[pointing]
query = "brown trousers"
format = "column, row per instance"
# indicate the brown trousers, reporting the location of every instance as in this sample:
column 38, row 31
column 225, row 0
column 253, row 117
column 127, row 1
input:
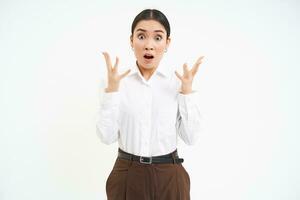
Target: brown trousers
column 132, row 180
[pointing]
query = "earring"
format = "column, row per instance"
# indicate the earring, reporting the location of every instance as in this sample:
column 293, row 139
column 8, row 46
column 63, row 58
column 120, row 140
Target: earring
column 166, row 50
column 132, row 49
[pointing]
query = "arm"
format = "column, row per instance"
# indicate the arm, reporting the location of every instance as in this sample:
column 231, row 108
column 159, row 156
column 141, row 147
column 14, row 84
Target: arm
column 190, row 121
column 107, row 123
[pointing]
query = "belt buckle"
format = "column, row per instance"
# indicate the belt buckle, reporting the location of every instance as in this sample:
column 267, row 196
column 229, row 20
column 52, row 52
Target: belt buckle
column 145, row 162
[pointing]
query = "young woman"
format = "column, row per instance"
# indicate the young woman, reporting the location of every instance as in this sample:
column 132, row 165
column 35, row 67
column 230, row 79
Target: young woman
column 145, row 109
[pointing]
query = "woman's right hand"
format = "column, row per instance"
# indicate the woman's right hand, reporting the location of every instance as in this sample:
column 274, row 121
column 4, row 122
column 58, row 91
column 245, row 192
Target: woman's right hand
column 113, row 76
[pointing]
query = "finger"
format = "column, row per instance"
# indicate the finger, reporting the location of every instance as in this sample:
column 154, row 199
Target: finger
column 196, row 65
column 185, row 68
column 178, row 75
column 107, row 60
column 116, row 64
column 199, row 60
column 125, row 73
column 195, row 69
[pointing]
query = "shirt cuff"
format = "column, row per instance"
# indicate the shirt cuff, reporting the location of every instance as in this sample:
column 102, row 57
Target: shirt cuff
column 188, row 97
column 110, row 99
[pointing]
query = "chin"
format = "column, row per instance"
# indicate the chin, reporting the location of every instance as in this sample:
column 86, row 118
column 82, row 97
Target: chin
column 149, row 65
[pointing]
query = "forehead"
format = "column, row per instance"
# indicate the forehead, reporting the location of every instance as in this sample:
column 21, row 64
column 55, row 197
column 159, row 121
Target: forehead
column 149, row 26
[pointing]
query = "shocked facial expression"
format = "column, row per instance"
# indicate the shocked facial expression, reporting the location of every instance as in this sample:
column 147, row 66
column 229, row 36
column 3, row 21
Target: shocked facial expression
column 149, row 41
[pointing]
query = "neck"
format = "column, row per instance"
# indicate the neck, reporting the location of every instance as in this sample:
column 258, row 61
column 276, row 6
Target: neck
column 146, row 73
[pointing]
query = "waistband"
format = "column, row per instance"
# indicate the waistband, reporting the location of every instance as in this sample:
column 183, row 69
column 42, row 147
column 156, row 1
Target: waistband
column 167, row 158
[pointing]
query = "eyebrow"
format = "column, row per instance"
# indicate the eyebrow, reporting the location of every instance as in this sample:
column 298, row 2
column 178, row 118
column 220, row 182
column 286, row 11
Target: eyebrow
column 143, row 30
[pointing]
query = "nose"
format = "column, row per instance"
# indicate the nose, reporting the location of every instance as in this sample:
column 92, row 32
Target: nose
column 149, row 48
column 149, row 45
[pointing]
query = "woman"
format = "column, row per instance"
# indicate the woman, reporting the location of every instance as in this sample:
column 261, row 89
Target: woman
column 145, row 111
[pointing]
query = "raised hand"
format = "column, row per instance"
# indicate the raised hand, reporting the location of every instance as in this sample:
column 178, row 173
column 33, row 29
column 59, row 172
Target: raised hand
column 188, row 76
column 112, row 74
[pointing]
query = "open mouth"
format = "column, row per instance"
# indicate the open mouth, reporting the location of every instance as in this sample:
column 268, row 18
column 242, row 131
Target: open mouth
column 148, row 56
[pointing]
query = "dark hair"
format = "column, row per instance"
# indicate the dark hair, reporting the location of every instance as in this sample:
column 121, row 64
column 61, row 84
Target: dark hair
column 153, row 14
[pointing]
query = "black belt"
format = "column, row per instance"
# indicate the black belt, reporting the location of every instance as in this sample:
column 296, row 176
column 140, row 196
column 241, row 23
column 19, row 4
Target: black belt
column 168, row 158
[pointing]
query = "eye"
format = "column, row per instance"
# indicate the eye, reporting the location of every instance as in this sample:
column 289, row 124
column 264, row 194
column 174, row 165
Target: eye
column 141, row 36
column 158, row 38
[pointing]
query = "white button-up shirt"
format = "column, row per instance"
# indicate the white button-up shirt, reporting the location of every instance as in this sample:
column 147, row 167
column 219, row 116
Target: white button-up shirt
column 146, row 117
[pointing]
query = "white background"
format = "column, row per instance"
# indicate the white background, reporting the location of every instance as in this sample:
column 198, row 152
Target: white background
column 50, row 71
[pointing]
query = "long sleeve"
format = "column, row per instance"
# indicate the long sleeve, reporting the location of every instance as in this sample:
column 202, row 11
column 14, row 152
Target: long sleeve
column 190, row 121
column 107, row 119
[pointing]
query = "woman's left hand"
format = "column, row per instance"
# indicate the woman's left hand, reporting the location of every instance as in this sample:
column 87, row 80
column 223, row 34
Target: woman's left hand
column 188, row 76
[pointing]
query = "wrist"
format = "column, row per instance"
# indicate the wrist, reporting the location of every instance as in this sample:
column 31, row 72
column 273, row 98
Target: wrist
column 186, row 89
column 111, row 89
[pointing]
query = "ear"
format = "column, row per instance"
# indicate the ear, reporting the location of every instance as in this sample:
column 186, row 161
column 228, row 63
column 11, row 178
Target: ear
column 131, row 41
column 168, row 42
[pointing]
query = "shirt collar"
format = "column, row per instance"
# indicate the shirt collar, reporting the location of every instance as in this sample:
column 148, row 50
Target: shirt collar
column 161, row 70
